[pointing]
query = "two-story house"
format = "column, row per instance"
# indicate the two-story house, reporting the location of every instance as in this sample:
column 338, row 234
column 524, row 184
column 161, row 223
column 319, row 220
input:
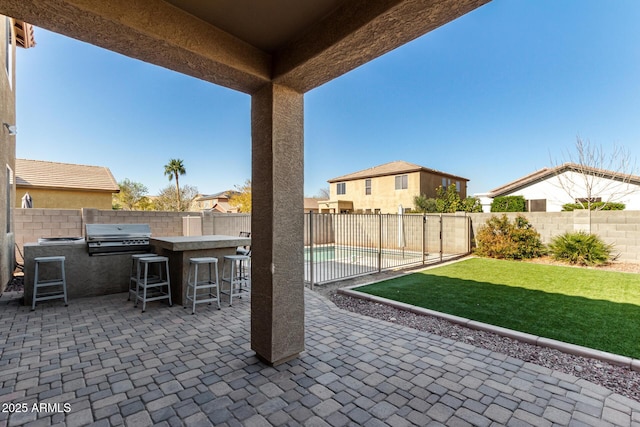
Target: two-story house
column 383, row 188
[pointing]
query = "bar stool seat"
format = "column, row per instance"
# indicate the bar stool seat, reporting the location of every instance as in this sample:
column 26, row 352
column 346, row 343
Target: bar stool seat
column 57, row 287
column 133, row 276
column 194, row 284
column 237, row 276
column 150, row 287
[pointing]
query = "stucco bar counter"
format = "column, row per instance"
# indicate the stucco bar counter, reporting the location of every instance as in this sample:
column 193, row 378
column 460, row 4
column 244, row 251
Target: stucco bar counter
column 180, row 248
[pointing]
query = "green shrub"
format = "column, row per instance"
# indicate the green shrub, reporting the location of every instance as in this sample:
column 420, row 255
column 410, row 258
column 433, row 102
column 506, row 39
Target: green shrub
column 580, row 248
column 595, row 206
column 509, row 204
column 503, row 239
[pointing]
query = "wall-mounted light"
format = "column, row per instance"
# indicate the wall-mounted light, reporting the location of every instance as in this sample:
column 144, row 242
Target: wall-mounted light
column 13, row 129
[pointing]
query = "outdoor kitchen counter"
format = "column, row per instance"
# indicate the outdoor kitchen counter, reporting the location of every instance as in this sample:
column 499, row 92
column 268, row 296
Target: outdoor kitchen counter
column 180, row 249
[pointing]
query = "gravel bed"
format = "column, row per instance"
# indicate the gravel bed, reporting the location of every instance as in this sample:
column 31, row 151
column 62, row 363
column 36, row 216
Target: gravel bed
column 619, row 379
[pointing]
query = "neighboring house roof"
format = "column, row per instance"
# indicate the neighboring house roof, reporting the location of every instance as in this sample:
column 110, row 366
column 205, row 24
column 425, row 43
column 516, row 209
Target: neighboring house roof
column 65, row 176
column 546, row 173
column 223, row 207
column 24, row 34
column 391, row 168
column 221, row 195
column 311, row 203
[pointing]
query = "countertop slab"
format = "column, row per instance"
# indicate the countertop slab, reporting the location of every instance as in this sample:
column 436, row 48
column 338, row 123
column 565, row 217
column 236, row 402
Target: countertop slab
column 191, row 243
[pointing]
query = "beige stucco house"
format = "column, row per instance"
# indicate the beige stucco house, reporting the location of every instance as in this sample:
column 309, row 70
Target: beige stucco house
column 383, row 188
column 64, row 185
column 14, row 33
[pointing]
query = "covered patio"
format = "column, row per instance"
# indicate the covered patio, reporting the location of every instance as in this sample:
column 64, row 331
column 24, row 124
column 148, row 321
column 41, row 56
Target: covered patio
column 276, row 52
column 101, row 362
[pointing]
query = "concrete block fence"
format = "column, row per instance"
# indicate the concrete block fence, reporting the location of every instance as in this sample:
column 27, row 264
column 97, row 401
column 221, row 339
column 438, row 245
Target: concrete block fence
column 620, row 228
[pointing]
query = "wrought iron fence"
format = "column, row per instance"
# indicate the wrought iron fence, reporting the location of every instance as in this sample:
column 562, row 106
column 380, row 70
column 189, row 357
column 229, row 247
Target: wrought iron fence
column 338, row 246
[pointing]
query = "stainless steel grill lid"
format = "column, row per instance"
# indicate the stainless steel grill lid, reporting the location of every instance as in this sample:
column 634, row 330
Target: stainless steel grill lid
column 117, row 238
column 117, row 231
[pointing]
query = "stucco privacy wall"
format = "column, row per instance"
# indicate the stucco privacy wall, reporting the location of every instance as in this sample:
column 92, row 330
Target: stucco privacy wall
column 620, row 228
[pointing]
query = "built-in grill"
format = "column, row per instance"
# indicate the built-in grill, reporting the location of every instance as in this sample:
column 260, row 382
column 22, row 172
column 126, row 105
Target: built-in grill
column 104, row 239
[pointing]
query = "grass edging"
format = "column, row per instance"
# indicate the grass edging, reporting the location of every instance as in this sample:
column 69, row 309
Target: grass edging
column 614, row 359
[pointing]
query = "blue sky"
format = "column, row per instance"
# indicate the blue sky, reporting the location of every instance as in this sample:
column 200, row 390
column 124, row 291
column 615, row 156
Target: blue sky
column 495, row 95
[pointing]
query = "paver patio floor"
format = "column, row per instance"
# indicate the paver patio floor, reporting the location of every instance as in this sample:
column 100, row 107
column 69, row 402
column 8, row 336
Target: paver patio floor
column 101, row 362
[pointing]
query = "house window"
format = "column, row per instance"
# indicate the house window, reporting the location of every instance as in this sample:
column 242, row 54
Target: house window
column 367, row 187
column 402, row 182
column 537, row 205
column 341, row 188
column 458, row 186
column 445, row 183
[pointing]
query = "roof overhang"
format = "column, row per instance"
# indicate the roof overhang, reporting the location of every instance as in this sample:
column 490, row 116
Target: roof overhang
column 243, row 44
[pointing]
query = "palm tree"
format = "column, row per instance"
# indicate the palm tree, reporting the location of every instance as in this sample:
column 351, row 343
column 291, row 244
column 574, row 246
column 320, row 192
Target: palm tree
column 175, row 168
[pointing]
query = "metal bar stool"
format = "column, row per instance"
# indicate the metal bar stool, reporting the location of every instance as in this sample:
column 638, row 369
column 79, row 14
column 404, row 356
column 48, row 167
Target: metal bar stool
column 135, row 272
column 194, row 285
column 59, row 284
column 238, row 276
column 149, row 287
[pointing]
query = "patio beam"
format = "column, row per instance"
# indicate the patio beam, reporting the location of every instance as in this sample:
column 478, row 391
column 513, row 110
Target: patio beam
column 358, row 32
column 277, row 268
column 153, row 31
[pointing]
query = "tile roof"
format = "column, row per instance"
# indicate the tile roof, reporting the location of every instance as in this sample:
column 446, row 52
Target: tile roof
column 391, row 168
column 221, row 195
column 43, row 174
column 544, row 173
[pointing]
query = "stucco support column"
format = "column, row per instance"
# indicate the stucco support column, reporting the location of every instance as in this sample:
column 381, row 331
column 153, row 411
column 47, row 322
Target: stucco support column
column 277, row 224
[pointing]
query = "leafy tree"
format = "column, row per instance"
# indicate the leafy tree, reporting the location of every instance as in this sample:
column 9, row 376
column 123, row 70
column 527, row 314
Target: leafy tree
column 166, row 200
column 174, row 169
column 446, row 201
column 509, row 204
column 131, row 195
column 423, row 204
column 471, row 204
column 595, row 206
column 242, row 199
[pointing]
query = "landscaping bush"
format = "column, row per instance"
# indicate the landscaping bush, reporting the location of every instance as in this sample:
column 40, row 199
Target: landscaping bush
column 509, row 204
column 580, row 248
column 503, row 239
column 595, row 206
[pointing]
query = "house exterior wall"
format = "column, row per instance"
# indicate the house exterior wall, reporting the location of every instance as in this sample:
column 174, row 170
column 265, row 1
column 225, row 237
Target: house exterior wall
column 65, row 199
column 384, row 197
column 551, row 190
column 8, row 151
column 429, row 183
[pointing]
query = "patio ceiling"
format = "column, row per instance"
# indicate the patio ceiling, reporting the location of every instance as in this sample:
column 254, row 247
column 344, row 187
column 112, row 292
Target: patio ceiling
column 244, row 44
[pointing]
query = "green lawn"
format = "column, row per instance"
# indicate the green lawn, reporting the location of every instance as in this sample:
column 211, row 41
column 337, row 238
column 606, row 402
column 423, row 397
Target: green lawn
column 593, row 308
